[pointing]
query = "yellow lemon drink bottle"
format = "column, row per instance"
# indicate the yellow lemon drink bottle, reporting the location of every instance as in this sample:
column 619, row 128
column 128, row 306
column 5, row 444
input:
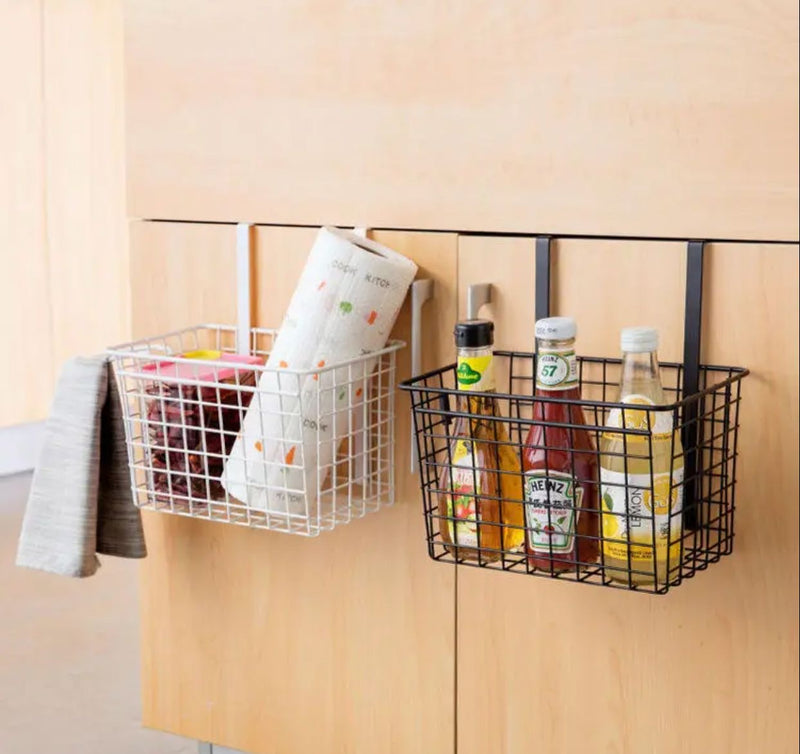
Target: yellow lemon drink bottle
column 641, row 476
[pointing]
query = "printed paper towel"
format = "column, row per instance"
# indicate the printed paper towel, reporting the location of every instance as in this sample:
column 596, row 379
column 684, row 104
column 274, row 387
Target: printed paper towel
column 344, row 306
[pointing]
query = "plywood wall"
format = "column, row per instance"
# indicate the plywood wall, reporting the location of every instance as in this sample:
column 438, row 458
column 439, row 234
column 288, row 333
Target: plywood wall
column 26, row 375
column 63, row 244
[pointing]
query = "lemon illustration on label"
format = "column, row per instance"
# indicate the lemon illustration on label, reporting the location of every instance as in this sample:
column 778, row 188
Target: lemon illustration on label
column 637, row 419
column 466, row 375
column 610, row 526
column 661, row 489
column 659, row 423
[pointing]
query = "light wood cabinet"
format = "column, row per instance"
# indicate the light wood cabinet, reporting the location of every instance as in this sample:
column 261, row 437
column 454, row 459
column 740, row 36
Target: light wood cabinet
column 711, row 667
column 272, row 643
column 623, row 118
column 656, row 120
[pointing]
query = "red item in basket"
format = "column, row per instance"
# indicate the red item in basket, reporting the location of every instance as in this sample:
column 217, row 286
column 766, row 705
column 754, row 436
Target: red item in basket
column 192, row 424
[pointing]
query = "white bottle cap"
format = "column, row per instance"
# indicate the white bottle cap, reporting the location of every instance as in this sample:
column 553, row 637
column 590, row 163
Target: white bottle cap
column 556, row 328
column 639, row 339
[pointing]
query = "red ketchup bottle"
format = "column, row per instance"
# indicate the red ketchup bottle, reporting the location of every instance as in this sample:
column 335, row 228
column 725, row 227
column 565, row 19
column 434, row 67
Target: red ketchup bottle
column 559, row 462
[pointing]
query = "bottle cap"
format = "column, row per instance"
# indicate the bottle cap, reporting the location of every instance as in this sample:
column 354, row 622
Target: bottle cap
column 474, row 333
column 639, row 339
column 556, row 328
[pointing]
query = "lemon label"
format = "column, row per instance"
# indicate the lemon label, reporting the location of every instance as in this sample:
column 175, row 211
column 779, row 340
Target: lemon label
column 658, row 423
column 475, row 373
column 641, row 510
column 465, row 487
column 551, row 498
column 556, row 370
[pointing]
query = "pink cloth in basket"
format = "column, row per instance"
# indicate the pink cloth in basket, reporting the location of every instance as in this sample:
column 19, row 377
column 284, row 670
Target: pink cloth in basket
column 203, row 372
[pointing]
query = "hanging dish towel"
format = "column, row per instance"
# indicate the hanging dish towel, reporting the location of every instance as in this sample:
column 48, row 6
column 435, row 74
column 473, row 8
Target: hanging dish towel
column 80, row 501
column 344, row 306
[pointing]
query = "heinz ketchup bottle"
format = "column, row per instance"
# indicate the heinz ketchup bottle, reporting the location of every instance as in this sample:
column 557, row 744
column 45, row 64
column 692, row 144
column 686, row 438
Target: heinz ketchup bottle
column 559, row 460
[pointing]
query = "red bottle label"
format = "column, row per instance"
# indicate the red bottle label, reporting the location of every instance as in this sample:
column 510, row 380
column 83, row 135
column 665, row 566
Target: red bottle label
column 551, row 514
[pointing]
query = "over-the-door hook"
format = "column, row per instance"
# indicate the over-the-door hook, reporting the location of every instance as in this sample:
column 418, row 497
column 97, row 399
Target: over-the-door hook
column 421, row 291
column 478, row 295
column 244, row 297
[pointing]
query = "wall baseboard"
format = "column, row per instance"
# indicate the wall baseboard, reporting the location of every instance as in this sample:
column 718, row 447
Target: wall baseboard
column 19, row 447
column 207, row 748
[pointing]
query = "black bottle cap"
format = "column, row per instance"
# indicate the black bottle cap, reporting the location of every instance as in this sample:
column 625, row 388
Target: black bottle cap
column 474, row 333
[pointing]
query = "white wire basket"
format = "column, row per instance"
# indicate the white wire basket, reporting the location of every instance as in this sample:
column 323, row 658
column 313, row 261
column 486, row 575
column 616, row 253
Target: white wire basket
column 212, row 433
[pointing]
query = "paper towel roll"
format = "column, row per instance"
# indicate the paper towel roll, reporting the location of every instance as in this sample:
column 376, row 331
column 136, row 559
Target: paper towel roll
column 344, row 306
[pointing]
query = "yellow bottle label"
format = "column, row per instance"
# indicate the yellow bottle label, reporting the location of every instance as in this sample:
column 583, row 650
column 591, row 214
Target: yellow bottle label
column 659, row 423
column 475, row 373
column 465, row 487
column 642, row 510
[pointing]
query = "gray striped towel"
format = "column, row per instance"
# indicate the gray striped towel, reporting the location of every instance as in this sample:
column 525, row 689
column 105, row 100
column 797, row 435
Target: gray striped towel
column 80, row 502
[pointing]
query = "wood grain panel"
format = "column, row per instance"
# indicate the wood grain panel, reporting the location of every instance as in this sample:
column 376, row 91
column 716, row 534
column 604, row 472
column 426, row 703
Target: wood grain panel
column 26, row 376
column 63, row 238
column 85, row 176
column 182, row 274
column 711, row 667
column 275, row 644
column 659, row 119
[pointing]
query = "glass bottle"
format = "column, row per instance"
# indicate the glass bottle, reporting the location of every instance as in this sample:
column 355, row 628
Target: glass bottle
column 634, row 469
column 482, row 510
column 559, row 462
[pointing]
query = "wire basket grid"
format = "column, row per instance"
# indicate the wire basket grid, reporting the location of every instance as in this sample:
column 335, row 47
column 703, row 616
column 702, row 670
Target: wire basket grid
column 315, row 452
column 642, row 545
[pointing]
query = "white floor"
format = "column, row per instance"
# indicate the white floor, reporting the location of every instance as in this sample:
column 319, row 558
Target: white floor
column 69, row 655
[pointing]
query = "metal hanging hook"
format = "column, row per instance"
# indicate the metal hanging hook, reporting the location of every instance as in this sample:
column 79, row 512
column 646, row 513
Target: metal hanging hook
column 478, row 295
column 244, row 296
column 421, row 291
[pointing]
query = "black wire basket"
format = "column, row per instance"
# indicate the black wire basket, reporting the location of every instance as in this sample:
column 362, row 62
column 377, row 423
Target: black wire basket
column 507, row 517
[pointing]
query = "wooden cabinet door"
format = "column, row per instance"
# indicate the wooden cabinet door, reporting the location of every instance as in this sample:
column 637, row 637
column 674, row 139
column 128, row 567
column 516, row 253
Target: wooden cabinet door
column 712, row 666
column 273, row 643
column 620, row 117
